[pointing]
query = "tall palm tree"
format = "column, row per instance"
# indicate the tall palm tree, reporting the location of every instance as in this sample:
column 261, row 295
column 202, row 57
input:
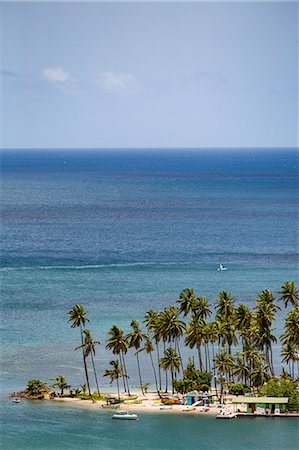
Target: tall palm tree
column 89, row 349
column 149, row 348
column 78, row 316
column 195, row 335
column 171, row 361
column 118, row 343
column 151, row 319
column 264, row 315
column 224, row 363
column 289, row 293
column 135, row 340
column 171, row 327
column 115, row 373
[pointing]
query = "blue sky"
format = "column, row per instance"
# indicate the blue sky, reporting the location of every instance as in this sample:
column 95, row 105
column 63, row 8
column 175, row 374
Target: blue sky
column 169, row 74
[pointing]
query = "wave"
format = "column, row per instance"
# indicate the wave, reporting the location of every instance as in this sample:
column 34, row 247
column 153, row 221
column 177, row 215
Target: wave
column 90, row 266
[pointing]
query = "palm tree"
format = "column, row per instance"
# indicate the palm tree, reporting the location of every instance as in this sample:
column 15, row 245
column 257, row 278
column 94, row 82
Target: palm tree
column 289, row 293
column 89, row 349
column 264, row 315
column 115, row 373
column 186, row 300
column 260, row 375
column 135, row 339
column 151, row 319
column 171, row 361
column 289, row 352
column 224, row 363
column 171, row 327
column 149, row 348
column 194, row 337
column 78, row 316
column 61, row 383
column 201, row 307
column 224, row 306
column 118, row 343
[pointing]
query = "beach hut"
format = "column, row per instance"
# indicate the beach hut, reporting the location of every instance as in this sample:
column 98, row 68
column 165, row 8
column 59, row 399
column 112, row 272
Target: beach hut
column 261, row 405
column 192, row 397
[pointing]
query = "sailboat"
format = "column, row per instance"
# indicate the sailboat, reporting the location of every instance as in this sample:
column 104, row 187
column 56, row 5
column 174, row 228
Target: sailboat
column 221, row 268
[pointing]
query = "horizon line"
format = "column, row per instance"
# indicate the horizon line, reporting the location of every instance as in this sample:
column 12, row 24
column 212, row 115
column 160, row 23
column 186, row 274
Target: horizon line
column 146, row 148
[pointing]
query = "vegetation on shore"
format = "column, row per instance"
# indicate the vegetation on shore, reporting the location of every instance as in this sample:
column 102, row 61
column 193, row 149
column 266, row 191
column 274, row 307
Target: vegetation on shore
column 231, row 344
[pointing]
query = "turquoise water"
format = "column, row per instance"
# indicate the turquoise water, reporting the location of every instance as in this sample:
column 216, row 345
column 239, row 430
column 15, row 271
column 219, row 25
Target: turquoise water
column 121, row 232
column 65, row 427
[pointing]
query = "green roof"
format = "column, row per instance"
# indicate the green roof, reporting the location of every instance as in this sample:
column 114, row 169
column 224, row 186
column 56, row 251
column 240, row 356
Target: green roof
column 277, row 400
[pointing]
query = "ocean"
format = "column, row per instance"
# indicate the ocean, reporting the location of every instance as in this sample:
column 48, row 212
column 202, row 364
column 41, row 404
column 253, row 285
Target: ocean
column 122, row 231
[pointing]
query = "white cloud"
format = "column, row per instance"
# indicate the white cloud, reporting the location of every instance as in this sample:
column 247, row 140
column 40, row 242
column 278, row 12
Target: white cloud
column 117, row 82
column 56, row 74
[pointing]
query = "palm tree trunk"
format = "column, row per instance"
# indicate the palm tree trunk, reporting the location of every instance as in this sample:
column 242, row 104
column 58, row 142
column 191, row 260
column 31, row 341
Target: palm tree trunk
column 139, row 372
column 84, row 362
column 95, row 374
column 199, row 357
column 87, row 377
column 121, row 364
column 154, row 370
column 179, row 352
column 171, row 370
column 117, row 382
column 126, row 373
column 159, row 366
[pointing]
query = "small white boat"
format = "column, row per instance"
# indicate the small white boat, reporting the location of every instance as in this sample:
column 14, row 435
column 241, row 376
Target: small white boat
column 221, row 268
column 226, row 415
column 124, row 415
column 16, row 400
column 165, row 407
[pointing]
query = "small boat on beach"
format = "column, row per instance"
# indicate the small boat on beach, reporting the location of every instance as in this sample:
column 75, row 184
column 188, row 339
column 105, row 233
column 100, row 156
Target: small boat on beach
column 221, row 268
column 124, row 415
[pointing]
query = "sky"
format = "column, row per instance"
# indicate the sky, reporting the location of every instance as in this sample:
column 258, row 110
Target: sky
column 148, row 75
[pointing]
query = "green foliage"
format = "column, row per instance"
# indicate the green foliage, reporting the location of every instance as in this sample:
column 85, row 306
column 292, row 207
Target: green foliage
column 239, row 389
column 193, row 379
column 145, row 386
column 281, row 387
column 36, row 389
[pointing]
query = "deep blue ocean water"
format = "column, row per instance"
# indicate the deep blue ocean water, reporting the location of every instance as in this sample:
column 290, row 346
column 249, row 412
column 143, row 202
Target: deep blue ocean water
column 123, row 231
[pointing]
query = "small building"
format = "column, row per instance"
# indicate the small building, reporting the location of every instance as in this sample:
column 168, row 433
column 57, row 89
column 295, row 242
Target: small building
column 195, row 396
column 261, row 405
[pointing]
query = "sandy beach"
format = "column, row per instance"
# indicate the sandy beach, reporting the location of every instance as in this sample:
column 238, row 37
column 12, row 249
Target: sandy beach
column 149, row 403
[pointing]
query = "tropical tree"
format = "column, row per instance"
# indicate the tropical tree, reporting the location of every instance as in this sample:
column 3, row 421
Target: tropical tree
column 115, row 373
column 118, row 343
column 88, row 347
column 289, row 293
column 77, row 315
column 260, row 375
column 36, row 389
column 61, row 383
column 171, row 361
column 194, row 336
column 151, row 319
column 135, row 340
column 186, row 301
column 149, row 348
column 290, row 355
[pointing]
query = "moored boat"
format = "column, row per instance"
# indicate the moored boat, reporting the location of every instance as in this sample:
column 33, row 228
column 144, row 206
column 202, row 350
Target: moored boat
column 226, row 415
column 124, row 415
